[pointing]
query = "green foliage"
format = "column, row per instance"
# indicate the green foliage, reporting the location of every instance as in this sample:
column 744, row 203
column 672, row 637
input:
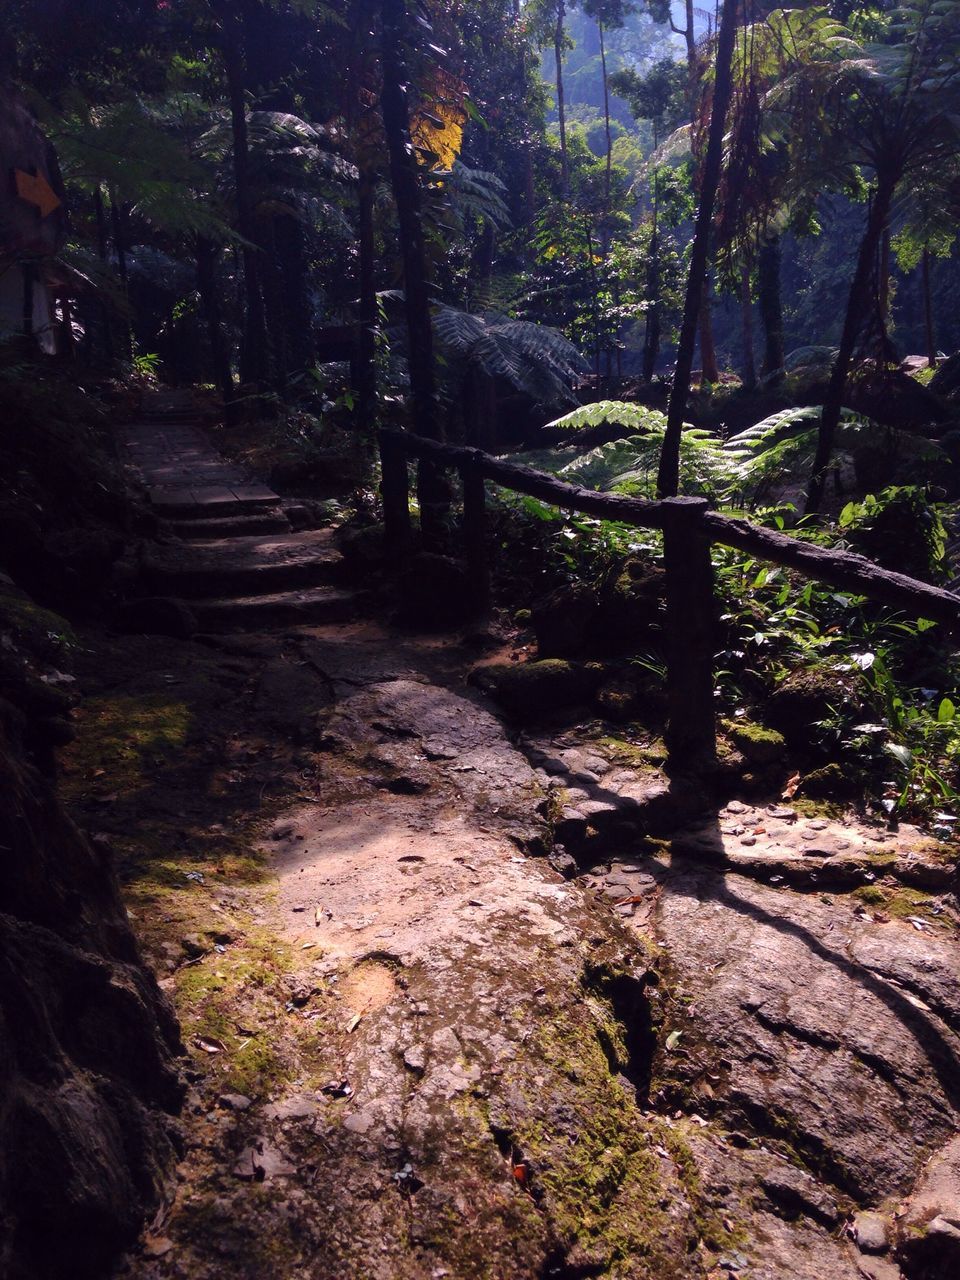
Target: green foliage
column 899, row 528
column 533, row 358
column 781, row 447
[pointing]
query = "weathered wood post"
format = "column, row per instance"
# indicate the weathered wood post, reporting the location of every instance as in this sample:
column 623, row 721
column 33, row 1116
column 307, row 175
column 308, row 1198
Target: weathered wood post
column 395, row 491
column 475, row 529
column 691, row 734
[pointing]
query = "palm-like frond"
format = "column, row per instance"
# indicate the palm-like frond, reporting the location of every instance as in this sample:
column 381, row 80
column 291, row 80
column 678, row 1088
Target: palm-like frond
column 782, row 446
column 533, row 358
column 620, row 413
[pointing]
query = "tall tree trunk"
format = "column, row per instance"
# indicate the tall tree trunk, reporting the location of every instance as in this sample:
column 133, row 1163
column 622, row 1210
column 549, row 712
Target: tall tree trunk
column 254, row 355
column 405, row 180
column 367, row 347
column 606, row 118
column 558, row 42
column 120, row 249
column 770, row 302
column 103, row 255
column 857, row 302
column 29, row 276
column 928, row 310
column 710, row 370
column 205, row 252
column 668, row 476
column 746, row 316
column 651, row 332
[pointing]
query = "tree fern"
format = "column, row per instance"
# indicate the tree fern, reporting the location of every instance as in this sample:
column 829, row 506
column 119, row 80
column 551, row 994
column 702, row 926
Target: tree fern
column 533, row 358
column 781, row 447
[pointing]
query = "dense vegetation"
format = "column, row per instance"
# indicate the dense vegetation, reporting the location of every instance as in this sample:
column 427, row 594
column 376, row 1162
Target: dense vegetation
column 472, row 216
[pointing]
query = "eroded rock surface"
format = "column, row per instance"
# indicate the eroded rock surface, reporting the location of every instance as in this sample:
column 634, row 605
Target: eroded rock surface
column 88, row 1085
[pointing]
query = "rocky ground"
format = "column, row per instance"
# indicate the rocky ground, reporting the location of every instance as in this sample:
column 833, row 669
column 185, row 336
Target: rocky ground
column 465, row 1001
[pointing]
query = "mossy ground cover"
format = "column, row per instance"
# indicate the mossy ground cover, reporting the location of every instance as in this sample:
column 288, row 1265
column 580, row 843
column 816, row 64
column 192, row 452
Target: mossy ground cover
column 170, row 767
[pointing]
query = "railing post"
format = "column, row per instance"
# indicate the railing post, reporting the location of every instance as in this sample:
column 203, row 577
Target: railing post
column 395, row 492
column 475, row 530
column 691, row 734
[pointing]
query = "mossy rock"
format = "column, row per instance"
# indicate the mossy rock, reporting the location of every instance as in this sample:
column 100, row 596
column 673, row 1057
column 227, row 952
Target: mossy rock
column 830, row 782
column 616, row 616
column 757, row 744
column 531, row 690
column 805, row 698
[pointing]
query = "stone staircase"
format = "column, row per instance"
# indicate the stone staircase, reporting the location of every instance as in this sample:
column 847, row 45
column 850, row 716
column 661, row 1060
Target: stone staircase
column 229, row 552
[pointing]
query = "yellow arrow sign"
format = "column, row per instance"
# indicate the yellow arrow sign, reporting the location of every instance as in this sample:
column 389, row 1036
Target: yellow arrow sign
column 35, row 189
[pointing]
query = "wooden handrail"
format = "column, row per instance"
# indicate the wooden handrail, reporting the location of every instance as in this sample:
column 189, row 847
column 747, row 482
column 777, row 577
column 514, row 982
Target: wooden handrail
column 689, row 528
column 843, row 569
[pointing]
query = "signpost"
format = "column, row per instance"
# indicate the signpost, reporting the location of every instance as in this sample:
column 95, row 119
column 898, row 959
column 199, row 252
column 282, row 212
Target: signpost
column 36, row 190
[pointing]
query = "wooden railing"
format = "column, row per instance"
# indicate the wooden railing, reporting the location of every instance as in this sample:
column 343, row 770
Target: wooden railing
column 689, row 529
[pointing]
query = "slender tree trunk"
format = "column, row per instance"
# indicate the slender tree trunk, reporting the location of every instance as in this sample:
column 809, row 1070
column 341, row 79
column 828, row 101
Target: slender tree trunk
column 405, row 179
column 606, row 118
column 651, row 334
column 746, row 316
column 254, row 359
column 668, row 477
column 558, row 41
column 595, row 296
column 770, row 303
column 710, row 370
column 928, row 310
column 367, row 352
column 67, row 345
column 205, row 252
column 857, row 302
column 29, row 274
column 120, row 249
column 104, row 256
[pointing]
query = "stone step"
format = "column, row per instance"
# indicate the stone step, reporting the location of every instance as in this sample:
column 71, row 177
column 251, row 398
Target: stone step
column 213, row 501
column 217, row 528
column 280, row 609
column 247, row 566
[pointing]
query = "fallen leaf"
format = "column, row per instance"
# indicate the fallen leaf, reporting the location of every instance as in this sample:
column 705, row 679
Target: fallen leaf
column 156, row 1246
column 637, row 897
column 307, row 945
column 790, row 787
column 209, row 1044
column 673, row 1039
column 521, row 1173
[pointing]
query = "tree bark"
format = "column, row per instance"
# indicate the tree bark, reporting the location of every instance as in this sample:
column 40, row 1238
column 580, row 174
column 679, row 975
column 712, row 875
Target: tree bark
column 857, row 301
column 558, row 39
column 770, row 303
column 103, row 255
column 367, row 354
column 120, row 249
column 651, row 332
column 606, row 117
column 405, row 180
column 928, row 310
column 205, row 252
column 746, row 317
column 254, row 356
column 668, row 476
column 710, row 370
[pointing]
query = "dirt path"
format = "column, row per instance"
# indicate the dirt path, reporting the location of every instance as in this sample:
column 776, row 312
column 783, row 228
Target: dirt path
column 716, row 1042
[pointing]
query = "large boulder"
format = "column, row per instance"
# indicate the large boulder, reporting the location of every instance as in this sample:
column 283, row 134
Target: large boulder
column 88, row 1082
column 621, row 614
column 534, row 690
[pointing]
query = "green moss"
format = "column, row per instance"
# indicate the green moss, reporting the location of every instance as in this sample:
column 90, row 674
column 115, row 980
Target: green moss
column 872, row 894
column 37, row 626
column 124, row 739
column 596, row 1175
column 756, row 743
